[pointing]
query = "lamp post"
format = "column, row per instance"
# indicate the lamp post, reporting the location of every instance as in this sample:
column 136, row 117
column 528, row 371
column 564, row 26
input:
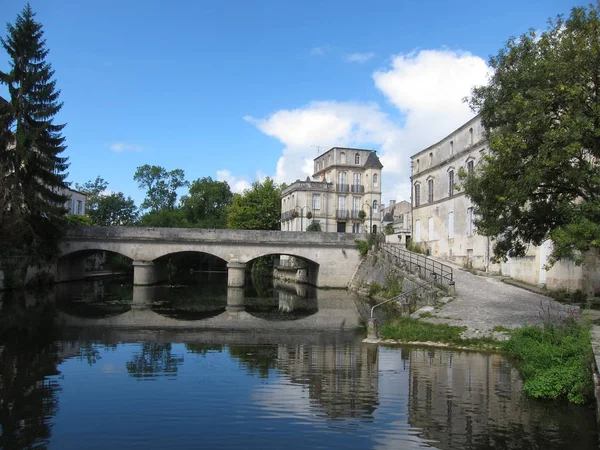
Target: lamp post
column 370, row 216
column 302, row 208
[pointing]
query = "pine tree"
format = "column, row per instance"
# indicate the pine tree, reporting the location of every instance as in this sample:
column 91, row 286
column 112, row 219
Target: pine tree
column 35, row 171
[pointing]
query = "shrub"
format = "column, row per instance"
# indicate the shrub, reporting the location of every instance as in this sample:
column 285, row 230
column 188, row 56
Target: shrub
column 555, row 360
column 74, row 220
column 416, row 247
column 374, row 288
column 363, row 246
column 389, row 229
column 314, row 226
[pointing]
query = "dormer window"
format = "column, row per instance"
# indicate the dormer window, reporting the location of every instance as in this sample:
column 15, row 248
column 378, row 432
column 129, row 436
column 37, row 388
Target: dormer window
column 375, row 180
column 357, row 158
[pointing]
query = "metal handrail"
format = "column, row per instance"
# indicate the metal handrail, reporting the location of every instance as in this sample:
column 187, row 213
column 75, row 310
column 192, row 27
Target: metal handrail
column 431, row 266
column 398, row 297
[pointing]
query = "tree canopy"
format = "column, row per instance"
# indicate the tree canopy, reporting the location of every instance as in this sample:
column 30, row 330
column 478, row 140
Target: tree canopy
column 541, row 112
column 31, row 159
column 107, row 209
column 206, row 204
column 258, row 208
column 160, row 186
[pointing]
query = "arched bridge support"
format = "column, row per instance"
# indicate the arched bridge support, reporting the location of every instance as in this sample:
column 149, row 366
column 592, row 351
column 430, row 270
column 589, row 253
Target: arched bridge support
column 145, row 273
column 236, row 272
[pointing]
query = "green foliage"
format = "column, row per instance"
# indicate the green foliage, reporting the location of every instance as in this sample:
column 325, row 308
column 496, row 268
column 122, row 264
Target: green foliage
column 407, row 329
column 166, row 218
column 107, row 209
column 206, row 204
column 393, row 285
column 263, row 266
column 258, row 208
column 565, row 296
column 74, row 220
column 363, row 246
column 389, row 229
column 541, row 178
column 32, row 166
column 374, row 288
column 314, row 226
column 416, row 247
column 160, row 186
column 118, row 263
column 555, row 360
column 362, row 215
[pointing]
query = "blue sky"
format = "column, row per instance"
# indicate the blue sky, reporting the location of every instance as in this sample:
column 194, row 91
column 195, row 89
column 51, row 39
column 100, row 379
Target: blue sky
column 238, row 90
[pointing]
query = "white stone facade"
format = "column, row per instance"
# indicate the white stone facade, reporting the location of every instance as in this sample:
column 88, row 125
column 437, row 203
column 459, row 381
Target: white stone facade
column 76, row 202
column 442, row 217
column 345, row 182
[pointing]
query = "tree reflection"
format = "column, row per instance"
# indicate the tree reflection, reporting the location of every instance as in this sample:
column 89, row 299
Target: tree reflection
column 28, row 355
column 203, row 349
column 154, row 360
column 256, row 359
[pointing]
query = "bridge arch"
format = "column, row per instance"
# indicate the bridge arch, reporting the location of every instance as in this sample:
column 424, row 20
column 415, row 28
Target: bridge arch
column 74, row 264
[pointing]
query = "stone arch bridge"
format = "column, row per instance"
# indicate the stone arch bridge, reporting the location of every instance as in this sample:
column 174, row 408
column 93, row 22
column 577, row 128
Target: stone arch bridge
column 332, row 257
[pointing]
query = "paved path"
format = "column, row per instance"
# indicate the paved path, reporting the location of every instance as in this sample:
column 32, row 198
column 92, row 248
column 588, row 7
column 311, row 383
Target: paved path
column 484, row 302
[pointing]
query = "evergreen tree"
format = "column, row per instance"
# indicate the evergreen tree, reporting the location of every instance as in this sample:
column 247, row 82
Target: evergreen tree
column 34, row 169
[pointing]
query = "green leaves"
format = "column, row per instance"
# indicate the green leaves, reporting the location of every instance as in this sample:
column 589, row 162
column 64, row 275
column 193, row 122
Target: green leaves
column 541, row 111
column 161, row 186
column 258, row 208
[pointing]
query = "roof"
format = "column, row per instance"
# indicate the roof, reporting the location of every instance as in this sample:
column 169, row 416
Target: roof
column 388, row 217
column 373, row 161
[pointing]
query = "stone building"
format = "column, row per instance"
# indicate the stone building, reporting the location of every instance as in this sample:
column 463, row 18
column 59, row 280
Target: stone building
column 345, row 182
column 443, row 217
column 399, row 215
column 76, row 202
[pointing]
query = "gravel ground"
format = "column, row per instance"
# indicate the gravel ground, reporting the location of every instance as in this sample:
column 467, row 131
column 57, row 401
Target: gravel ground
column 485, row 302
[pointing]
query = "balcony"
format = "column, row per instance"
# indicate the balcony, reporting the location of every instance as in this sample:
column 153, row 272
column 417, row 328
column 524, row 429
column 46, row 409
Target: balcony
column 354, row 214
column 342, row 213
column 342, row 187
column 357, row 188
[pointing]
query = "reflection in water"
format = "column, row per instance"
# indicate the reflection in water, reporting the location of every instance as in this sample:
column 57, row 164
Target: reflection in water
column 28, row 360
column 473, row 401
column 153, row 360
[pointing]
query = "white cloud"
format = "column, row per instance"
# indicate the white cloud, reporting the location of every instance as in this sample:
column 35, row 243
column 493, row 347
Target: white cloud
column 427, row 87
column 317, row 51
column 359, row 57
column 126, row 147
column 237, row 184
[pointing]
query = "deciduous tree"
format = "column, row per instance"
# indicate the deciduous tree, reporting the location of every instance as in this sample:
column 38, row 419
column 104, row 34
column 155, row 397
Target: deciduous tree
column 258, row 208
column 160, row 186
column 206, row 204
column 541, row 112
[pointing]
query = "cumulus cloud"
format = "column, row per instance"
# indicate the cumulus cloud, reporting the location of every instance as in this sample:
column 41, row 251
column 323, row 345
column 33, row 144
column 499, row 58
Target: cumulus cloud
column 426, row 87
column 359, row 57
column 126, row 147
column 317, row 51
column 237, row 184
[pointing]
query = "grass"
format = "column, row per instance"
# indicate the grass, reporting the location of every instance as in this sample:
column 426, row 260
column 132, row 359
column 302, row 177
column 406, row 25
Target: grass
column 501, row 329
column 555, row 360
column 407, row 329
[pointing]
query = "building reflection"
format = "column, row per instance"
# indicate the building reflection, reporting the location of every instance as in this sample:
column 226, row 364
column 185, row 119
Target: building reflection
column 466, row 400
column 341, row 377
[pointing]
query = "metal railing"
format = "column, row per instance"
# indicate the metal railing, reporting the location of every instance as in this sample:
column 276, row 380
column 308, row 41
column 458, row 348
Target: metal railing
column 405, row 295
column 342, row 187
column 342, row 214
column 427, row 268
column 357, row 188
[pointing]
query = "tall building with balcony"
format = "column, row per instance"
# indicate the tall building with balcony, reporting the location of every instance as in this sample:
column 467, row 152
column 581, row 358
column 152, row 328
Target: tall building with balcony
column 345, row 182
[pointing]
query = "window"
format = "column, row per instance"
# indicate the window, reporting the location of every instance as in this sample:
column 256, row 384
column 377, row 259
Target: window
column 357, row 158
column 417, row 230
column 342, row 202
column 470, row 136
column 401, row 219
column 417, row 195
column 343, row 158
column 73, row 207
column 356, row 179
column 356, row 228
column 417, row 165
column 451, row 147
column 79, row 207
column 374, row 206
column 430, row 190
column 470, row 225
column 470, row 167
column 430, row 159
column 342, row 177
column 316, row 202
column 356, row 204
column 375, row 180
column 451, row 225
column 431, row 231
column 451, row 183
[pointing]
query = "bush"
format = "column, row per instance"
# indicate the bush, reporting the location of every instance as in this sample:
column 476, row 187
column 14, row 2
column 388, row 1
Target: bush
column 555, row 360
column 389, row 229
column 314, row 226
column 363, row 246
column 374, row 288
column 74, row 220
column 416, row 247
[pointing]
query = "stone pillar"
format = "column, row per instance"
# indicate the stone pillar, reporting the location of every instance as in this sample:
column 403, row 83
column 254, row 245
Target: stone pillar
column 372, row 329
column 452, row 289
column 301, row 276
column 235, row 299
column 143, row 296
column 235, row 274
column 144, row 273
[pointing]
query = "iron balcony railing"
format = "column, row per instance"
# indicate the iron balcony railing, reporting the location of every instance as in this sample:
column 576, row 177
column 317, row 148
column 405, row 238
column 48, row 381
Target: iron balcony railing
column 354, row 214
column 357, row 188
column 342, row 187
column 427, row 268
column 342, row 214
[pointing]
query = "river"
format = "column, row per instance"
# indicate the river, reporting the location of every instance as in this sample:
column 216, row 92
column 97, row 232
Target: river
column 69, row 386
